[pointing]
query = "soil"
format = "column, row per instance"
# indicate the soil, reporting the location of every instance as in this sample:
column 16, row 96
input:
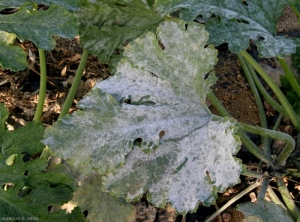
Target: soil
column 19, row 93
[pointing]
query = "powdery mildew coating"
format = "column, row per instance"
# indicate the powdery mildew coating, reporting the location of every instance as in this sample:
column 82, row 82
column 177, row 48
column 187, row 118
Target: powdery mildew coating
column 167, row 111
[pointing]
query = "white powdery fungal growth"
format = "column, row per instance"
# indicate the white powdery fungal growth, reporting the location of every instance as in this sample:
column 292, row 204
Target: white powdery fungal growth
column 156, row 97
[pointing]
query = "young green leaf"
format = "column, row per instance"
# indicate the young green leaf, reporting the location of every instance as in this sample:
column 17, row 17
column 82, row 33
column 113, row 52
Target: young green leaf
column 40, row 26
column 11, row 57
column 148, row 127
column 239, row 22
column 264, row 211
column 106, row 25
column 73, row 5
column 101, row 206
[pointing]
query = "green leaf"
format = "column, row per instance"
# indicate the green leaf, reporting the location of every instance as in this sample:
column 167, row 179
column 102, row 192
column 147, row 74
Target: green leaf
column 40, row 26
column 25, row 138
column 102, row 206
column 239, row 22
column 148, row 127
column 11, row 57
column 107, row 25
column 73, row 5
column 28, row 186
column 264, row 211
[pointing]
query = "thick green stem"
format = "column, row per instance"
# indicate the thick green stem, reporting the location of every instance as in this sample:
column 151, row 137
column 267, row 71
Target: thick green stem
column 289, row 75
column 287, row 106
column 263, row 189
column 251, row 173
column 244, row 138
column 42, row 92
column 288, row 200
column 259, row 104
column 75, row 84
column 234, row 199
column 266, row 95
column 290, row 142
column 275, row 198
column 253, row 148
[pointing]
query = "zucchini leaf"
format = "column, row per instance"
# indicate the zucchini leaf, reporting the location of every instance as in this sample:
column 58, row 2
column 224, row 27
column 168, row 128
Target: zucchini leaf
column 73, row 5
column 264, row 211
column 40, row 26
column 91, row 198
column 11, row 57
column 26, row 188
column 107, row 25
column 147, row 128
column 237, row 22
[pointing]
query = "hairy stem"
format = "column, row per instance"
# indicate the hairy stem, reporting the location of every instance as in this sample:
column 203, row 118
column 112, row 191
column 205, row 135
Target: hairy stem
column 75, row 84
column 42, row 92
column 263, row 189
column 276, row 106
column 290, row 142
column 274, row 197
column 251, row 173
column 288, row 200
column 287, row 106
column 244, row 138
column 261, row 111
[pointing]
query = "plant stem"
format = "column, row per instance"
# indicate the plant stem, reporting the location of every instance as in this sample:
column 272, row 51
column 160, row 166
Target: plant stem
column 278, row 122
column 230, row 202
column 42, row 92
column 75, row 84
column 244, row 138
column 274, row 197
column 259, row 104
column 251, row 173
column 287, row 106
column 285, row 194
column 289, row 75
column 265, row 94
column 290, row 142
column 263, row 189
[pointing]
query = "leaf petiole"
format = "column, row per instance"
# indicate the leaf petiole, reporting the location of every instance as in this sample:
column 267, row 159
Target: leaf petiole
column 75, row 85
column 42, row 92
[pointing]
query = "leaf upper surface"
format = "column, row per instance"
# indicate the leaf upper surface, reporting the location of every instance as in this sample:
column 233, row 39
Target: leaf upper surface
column 40, row 26
column 112, row 208
column 148, row 127
column 69, row 4
column 107, row 25
column 264, row 211
column 11, row 57
column 240, row 22
column 26, row 187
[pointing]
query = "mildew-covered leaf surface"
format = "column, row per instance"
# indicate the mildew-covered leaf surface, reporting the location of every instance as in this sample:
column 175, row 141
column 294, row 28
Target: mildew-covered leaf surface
column 147, row 128
column 238, row 22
